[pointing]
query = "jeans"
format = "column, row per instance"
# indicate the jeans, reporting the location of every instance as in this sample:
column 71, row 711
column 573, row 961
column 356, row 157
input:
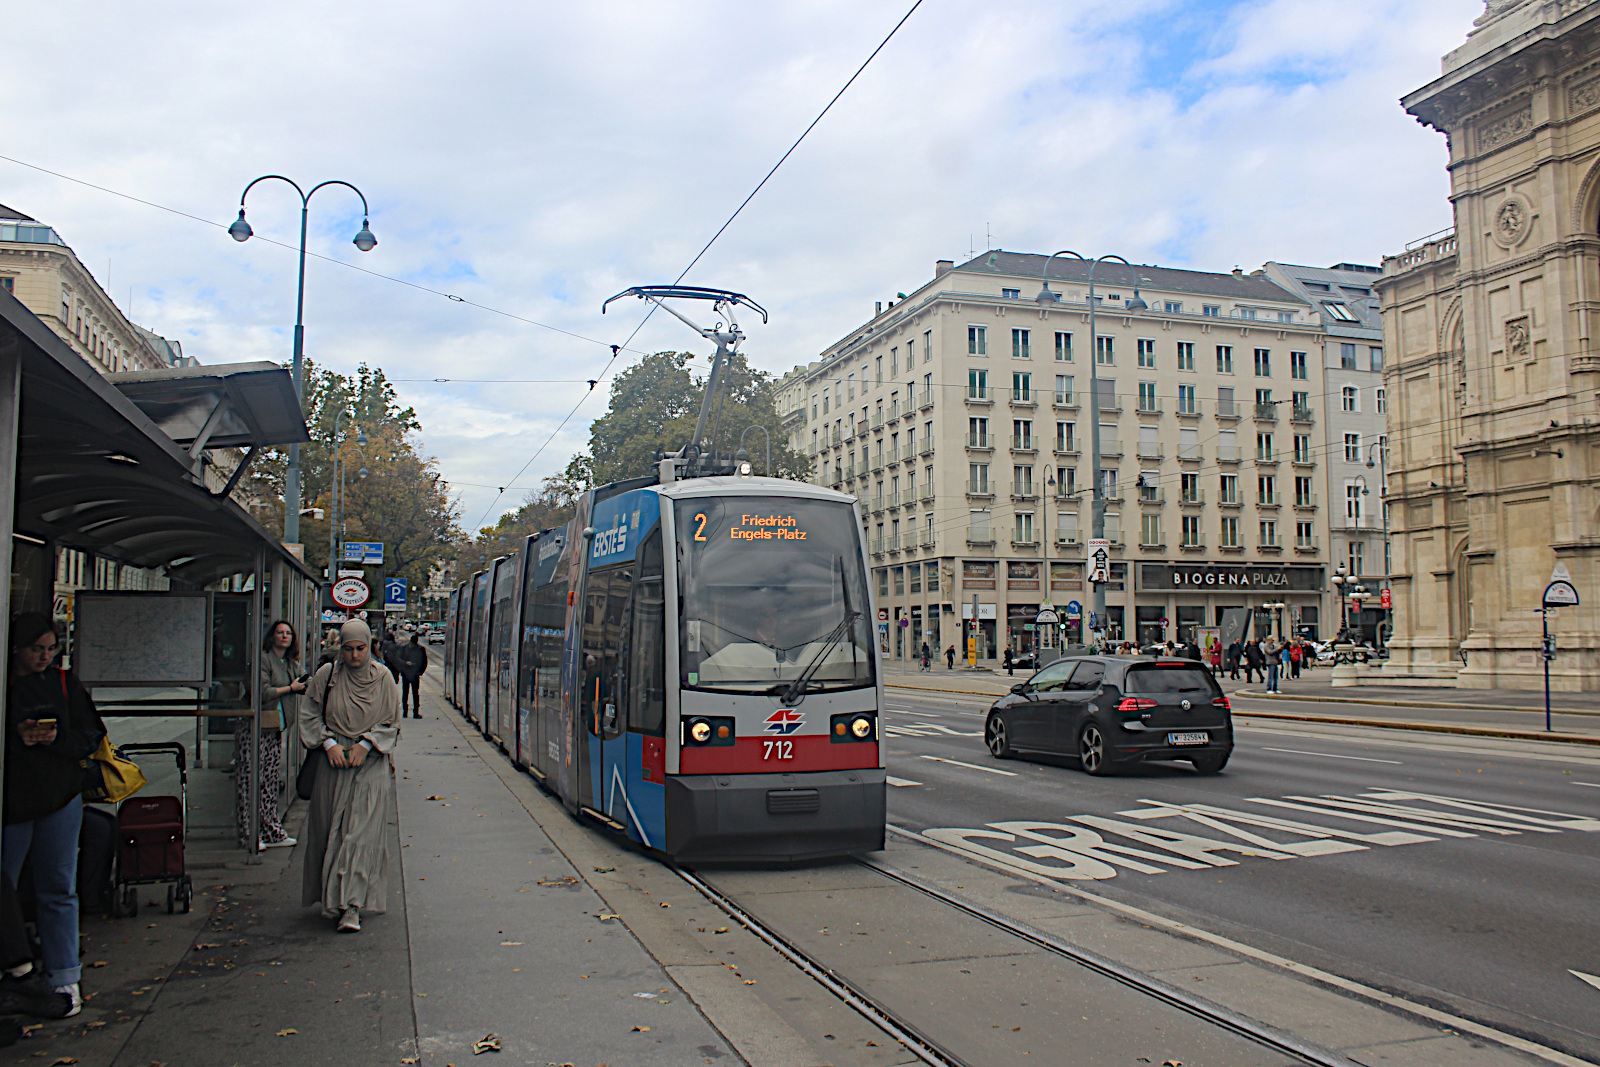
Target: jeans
column 1272, row 677
column 409, row 685
column 52, row 841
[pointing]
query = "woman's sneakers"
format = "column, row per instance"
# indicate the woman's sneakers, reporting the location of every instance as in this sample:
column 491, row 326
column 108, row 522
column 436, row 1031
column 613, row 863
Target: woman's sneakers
column 72, row 992
column 287, row 842
column 350, row 921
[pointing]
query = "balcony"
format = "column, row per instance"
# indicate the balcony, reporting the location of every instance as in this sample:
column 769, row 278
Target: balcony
column 1024, row 495
column 1269, row 546
column 893, row 500
column 1190, row 500
column 1269, row 500
column 1228, row 454
column 834, row 437
column 1302, row 414
column 1110, row 404
column 1065, row 400
column 1067, row 495
column 1306, row 501
column 1023, row 398
column 1150, row 408
column 1151, row 450
column 927, row 498
column 1024, row 541
column 850, row 472
column 980, row 535
column 1308, row 545
column 1303, row 459
column 979, row 489
column 1195, row 547
column 1189, row 454
column 1156, row 497
column 1191, row 410
column 1234, row 548
column 1266, row 412
column 894, row 542
column 980, row 396
column 1110, row 448
column 980, row 440
column 1266, row 457
column 877, row 506
column 1227, row 409
column 1067, row 540
column 927, row 447
column 877, row 464
column 894, row 411
column 1152, row 546
column 925, row 399
column 1229, row 500
column 877, row 546
column 927, row 539
column 1024, row 443
column 877, row 419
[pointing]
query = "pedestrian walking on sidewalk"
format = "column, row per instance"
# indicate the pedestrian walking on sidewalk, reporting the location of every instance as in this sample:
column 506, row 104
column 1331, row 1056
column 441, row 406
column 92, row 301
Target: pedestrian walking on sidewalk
column 352, row 714
column 1006, row 663
column 51, row 727
column 1254, row 660
column 1297, row 651
column 950, row 658
column 1274, row 662
column 412, row 660
column 280, row 705
column 926, row 657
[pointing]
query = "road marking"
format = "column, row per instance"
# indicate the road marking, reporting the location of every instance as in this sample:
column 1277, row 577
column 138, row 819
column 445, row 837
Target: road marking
column 973, row 766
column 1591, row 785
column 928, row 729
column 1330, row 755
column 1315, row 974
column 1591, row 979
column 892, row 780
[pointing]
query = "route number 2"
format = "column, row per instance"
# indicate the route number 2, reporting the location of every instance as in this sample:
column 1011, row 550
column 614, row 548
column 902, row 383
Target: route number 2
column 700, row 532
column 777, row 750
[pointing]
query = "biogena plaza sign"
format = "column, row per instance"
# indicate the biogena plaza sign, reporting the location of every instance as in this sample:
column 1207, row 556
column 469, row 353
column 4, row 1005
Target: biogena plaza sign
column 1165, row 576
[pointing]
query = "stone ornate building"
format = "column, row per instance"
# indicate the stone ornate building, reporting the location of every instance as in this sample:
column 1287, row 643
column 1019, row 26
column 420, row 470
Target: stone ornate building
column 1493, row 374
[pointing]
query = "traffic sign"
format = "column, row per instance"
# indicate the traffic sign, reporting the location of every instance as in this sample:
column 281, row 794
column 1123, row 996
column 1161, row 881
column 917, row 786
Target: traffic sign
column 350, row 592
column 363, row 552
column 394, row 593
column 883, row 614
column 1164, row 623
column 1385, row 599
column 1560, row 594
column 1074, row 610
column 1099, row 560
column 904, row 623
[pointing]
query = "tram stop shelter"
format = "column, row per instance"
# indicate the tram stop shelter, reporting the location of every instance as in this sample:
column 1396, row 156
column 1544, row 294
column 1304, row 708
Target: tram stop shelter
column 115, row 467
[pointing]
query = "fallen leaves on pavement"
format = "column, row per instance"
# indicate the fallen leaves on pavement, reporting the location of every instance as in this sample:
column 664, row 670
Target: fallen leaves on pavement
column 486, row 1043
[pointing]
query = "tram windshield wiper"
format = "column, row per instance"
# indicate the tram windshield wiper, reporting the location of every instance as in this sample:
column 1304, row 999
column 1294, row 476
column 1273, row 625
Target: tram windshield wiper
column 795, row 691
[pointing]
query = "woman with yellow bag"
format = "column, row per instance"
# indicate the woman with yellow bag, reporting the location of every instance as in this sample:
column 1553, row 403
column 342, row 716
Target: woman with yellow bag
column 51, row 728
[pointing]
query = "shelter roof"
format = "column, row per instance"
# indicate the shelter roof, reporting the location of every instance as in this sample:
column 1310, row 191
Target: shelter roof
column 260, row 406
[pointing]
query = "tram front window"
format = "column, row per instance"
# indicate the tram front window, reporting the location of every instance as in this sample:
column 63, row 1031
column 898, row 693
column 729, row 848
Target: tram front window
column 770, row 589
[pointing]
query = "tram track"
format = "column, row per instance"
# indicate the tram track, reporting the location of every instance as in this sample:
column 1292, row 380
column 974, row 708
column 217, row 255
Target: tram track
column 920, row 1043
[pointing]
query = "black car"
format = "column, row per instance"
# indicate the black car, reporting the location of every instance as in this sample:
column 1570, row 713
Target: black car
column 1113, row 710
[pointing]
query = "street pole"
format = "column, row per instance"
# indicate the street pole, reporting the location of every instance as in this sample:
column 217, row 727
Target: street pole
column 365, row 241
column 1544, row 654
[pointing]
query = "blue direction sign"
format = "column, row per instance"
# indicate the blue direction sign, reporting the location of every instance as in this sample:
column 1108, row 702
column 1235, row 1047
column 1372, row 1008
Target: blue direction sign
column 1074, row 610
column 363, row 552
column 394, row 593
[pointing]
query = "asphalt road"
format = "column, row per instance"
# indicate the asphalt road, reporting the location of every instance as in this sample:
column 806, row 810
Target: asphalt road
column 1481, row 919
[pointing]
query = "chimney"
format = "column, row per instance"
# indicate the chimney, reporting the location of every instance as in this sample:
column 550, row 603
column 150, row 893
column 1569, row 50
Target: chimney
column 1237, row 273
column 940, row 266
column 877, row 308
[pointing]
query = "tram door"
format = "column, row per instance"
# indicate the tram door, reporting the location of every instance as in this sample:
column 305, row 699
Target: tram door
column 502, row 655
column 601, row 702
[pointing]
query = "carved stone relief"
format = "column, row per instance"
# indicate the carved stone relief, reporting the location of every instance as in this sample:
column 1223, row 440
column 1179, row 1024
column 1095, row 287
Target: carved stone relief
column 1584, row 96
column 1498, row 131
column 1517, row 341
column 1512, row 221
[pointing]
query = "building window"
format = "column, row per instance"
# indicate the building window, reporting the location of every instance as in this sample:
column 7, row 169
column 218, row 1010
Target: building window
column 1285, row 316
column 1022, row 480
column 1189, row 487
column 1011, row 294
column 1349, row 399
column 1305, row 535
column 1105, row 352
column 850, row 390
column 1020, row 346
column 1065, row 441
column 894, row 362
column 1264, row 451
column 933, row 568
column 978, row 433
column 1147, row 397
column 978, row 384
column 927, row 345
column 899, row 578
column 1147, row 353
column 1191, row 531
column 1340, row 312
column 1347, row 357
column 1066, row 528
column 1211, row 311
column 1064, row 389
column 1357, row 558
column 1022, row 532
column 1230, row 532
column 1267, row 490
column 1063, row 347
column 1301, row 405
column 1381, row 397
column 914, row 575
column 1352, row 448
column 1186, row 355
column 1269, row 533
column 1229, row 489
column 1150, row 528
column 1186, row 401
column 883, row 572
column 1021, row 386
column 1264, row 408
column 1021, row 433
column 1302, row 448
column 1297, row 365
column 977, row 341
column 1302, row 492
column 1225, row 402
column 8, row 284
column 1173, row 307
column 1245, row 313
column 1224, row 359
column 1352, row 502
column 1263, row 363
column 978, row 478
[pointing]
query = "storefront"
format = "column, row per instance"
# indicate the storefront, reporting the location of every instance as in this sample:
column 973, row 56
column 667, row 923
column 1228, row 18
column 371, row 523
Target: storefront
column 1175, row 601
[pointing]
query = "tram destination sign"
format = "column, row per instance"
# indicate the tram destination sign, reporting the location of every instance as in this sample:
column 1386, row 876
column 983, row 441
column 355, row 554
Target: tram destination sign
column 1153, row 576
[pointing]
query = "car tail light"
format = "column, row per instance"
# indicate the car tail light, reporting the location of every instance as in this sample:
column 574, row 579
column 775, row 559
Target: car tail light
column 1222, row 702
column 1135, row 705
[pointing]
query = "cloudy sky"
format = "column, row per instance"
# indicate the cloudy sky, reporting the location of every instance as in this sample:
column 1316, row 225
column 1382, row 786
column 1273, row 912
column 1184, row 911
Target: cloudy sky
column 537, row 157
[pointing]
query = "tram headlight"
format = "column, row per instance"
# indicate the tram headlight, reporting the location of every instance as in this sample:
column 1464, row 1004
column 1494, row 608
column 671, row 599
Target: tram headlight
column 853, row 726
column 861, row 727
column 699, row 731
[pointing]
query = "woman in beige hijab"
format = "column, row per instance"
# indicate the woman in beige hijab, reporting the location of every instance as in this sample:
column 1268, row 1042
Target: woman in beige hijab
column 350, row 712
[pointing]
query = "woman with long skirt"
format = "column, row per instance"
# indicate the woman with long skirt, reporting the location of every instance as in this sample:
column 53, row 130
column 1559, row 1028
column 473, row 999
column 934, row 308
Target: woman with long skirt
column 351, row 713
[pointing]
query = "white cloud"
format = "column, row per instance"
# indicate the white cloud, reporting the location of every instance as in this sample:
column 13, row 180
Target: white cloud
column 539, row 157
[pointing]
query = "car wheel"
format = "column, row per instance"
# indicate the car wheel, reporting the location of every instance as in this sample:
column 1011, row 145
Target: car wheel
column 1092, row 751
column 1210, row 762
column 997, row 738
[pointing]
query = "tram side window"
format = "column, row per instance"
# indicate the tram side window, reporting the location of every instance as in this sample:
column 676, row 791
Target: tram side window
column 604, row 629
column 647, row 659
column 549, row 624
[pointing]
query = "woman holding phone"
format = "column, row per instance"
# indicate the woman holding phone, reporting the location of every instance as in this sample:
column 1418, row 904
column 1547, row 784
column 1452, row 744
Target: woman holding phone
column 51, row 727
column 280, row 704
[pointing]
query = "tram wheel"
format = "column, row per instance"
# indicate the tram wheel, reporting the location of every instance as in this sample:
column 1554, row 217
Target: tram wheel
column 1092, row 751
column 996, row 737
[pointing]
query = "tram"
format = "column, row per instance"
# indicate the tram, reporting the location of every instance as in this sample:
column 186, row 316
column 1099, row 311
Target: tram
column 688, row 662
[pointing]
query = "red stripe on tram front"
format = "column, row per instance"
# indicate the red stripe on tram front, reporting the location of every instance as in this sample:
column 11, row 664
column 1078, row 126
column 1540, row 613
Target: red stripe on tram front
column 753, row 755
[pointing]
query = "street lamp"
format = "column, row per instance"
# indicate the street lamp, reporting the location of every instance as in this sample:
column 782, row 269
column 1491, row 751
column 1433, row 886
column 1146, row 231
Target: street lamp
column 1047, row 298
column 336, row 484
column 1340, row 576
column 240, row 231
column 1380, row 448
column 1276, row 607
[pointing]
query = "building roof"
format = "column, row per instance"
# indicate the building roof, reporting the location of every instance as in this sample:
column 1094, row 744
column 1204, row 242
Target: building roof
column 1112, row 273
column 14, row 215
column 1347, row 284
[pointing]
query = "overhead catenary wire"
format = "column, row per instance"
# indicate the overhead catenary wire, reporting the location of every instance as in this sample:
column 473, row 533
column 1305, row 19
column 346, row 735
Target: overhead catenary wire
column 707, row 247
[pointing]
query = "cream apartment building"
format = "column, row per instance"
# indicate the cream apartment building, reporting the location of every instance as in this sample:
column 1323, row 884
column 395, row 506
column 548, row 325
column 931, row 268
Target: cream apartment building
column 1494, row 368
column 958, row 417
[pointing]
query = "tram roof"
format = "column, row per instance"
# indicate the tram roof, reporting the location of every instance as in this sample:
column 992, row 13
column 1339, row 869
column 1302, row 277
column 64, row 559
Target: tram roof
column 734, row 485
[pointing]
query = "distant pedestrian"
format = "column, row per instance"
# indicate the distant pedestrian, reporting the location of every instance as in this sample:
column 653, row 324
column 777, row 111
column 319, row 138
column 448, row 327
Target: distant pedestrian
column 926, row 657
column 280, row 706
column 330, row 647
column 1006, row 662
column 950, row 658
column 1234, row 654
column 1216, row 657
column 1254, row 660
column 352, row 714
column 1297, row 651
column 1273, row 662
column 412, row 660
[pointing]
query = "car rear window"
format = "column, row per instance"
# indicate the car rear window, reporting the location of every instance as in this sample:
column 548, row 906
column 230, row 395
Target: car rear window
column 1162, row 679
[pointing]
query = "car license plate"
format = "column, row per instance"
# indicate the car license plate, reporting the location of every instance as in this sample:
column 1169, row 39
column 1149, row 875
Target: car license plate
column 1194, row 737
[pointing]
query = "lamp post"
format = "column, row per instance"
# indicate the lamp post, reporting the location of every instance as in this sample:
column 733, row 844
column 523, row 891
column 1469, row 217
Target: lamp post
column 1276, row 607
column 1046, row 299
column 1340, row 576
column 240, row 231
column 336, row 480
column 1380, row 448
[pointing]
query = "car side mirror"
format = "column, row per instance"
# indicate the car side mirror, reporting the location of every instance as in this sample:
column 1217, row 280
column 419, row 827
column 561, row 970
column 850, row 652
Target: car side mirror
column 1021, row 688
